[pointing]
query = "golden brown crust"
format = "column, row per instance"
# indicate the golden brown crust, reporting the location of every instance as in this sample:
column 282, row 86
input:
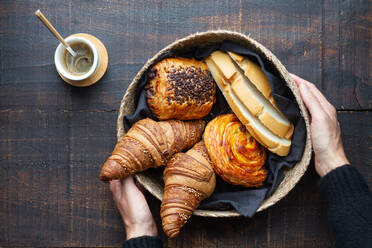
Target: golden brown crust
column 180, row 88
column 275, row 144
column 254, row 96
column 236, row 156
column 150, row 144
column 254, row 73
column 189, row 178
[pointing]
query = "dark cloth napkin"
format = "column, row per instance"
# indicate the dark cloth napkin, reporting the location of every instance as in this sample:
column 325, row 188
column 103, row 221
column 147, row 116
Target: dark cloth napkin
column 226, row 196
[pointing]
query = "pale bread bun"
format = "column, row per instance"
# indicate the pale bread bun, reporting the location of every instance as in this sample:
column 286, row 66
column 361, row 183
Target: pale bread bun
column 254, row 73
column 259, row 131
column 251, row 96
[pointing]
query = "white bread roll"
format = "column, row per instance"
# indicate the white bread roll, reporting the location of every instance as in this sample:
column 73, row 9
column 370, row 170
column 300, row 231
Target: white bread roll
column 250, row 95
column 254, row 73
column 236, row 90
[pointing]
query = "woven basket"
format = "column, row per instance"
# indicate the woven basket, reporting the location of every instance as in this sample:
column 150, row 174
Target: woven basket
column 152, row 183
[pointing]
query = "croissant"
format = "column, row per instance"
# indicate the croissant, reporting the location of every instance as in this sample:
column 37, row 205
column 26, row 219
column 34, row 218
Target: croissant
column 189, row 178
column 150, row 144
column 236, row 156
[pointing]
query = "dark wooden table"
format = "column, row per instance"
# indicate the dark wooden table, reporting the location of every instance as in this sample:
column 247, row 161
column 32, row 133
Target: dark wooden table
column 54, row 137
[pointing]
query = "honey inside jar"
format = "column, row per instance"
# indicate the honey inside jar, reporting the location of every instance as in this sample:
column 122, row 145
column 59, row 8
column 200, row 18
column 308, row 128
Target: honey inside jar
column 82, row 62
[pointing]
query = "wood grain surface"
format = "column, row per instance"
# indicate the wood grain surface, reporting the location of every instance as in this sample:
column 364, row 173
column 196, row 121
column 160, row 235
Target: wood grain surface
column 55, row 137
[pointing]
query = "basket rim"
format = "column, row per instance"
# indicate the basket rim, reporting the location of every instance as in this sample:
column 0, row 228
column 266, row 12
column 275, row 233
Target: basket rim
column 298, row 170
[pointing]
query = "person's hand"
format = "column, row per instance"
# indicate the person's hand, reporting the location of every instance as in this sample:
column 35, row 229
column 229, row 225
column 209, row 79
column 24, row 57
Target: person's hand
column 133, row 208
column 325, row 129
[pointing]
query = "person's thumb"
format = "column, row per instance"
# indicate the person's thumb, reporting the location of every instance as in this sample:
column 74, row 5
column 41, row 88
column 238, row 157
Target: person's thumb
column 310, row 101
column 115, row 188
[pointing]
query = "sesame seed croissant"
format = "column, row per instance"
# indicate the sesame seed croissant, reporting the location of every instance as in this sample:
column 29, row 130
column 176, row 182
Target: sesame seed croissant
column 180, row 88
column 189, row 178
column 150, row 144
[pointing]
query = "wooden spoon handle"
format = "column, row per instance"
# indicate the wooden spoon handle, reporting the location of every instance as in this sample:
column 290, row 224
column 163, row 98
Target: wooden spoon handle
column 46, row 22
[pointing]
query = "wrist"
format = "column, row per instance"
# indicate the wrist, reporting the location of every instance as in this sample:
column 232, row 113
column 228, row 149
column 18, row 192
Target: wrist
column 333, row 161
column 141, row 229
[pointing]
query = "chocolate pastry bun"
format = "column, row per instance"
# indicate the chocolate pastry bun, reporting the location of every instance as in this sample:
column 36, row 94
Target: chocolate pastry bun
column 180, row 88
column 236, row 156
